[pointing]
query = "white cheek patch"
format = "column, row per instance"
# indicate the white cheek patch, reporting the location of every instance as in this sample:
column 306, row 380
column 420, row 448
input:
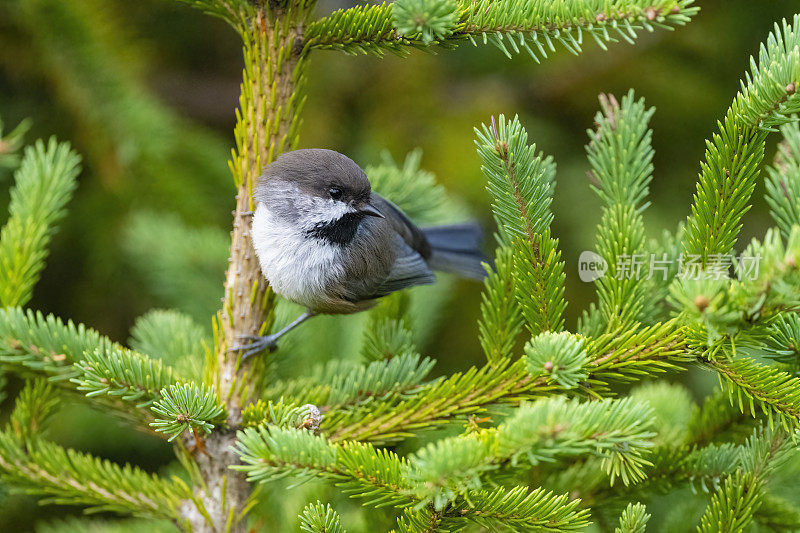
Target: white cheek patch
column 314, row 210
column 309, row 210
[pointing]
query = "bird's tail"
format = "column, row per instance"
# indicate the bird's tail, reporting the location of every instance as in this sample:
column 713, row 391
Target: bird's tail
column 457, row 249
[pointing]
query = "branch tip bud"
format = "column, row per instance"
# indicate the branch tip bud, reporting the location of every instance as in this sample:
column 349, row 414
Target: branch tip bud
column 702, row 302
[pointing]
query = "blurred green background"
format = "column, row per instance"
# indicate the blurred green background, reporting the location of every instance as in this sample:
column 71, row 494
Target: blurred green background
column 146, row 92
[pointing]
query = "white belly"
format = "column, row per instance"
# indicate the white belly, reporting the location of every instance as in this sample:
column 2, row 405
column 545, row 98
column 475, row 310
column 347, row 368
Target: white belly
column 297, row 267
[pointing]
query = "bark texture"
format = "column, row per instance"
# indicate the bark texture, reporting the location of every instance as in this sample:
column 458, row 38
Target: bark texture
column 266, row 126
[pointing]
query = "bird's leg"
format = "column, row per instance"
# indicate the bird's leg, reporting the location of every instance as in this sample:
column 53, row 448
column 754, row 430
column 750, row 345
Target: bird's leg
column 268, row 342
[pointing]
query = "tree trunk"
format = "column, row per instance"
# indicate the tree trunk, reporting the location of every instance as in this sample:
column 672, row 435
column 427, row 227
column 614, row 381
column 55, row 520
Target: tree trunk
column 266, row 125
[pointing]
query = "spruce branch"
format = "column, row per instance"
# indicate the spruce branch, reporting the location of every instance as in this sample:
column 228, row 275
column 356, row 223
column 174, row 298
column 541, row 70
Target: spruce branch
column 36, row 404
column 425, row 20
column 519, row 179
column 783, row 180
column 123, row 374
column 706, row 469
column 177, row 275
column 621, row 155
column 633, row 520
column 360, row 29
column 768, row 97
column 559, row 357
column 344, row 385
column 167, row 335
column 733, row 505
column 270, row 452
column 620, row 151
column 31, row 341
column 783, row 339
column 187, row 406
column 617, row 431
column 44, row 184
column 81, row 359
column 702, row 469
column 520, row 182
column 447, row 468
column 318, row 518
column 424, row 521
column 734, row 155
column 10, row 145
column 386, row 338
column 501, row 317
column 621, row 356
column 398, row 375
column 434, row 405
column 281, row 414
column 540, row 288
column 774, row 292
column 628, row 354
column 521, row 509
column 68, row 477
column 753, row 386
column 533, row 26
column 379, row 477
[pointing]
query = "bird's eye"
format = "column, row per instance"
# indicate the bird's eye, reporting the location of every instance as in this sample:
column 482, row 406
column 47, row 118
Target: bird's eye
column 335, row 192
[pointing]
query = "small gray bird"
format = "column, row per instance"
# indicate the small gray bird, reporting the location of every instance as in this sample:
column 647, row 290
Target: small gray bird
column 327, row 242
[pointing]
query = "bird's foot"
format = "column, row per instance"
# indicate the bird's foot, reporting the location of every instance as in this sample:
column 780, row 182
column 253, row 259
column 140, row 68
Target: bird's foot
column 253, row 344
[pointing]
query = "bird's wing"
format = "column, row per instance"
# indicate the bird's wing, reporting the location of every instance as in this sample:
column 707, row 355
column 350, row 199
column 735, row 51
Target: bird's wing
column 409, row 269
column 411, row 234
column 411, row 249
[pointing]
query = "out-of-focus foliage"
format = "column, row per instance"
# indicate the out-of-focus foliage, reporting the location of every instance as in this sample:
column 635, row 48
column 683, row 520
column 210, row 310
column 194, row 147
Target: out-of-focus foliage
column 145, row 91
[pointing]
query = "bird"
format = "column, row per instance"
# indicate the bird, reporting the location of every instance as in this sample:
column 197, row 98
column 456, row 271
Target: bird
column 325, row 240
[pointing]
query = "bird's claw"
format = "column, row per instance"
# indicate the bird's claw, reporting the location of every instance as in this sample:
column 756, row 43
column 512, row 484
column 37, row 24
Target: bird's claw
column 255, row 345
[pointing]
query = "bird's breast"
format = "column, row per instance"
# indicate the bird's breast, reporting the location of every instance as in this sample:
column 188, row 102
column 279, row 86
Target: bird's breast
column 299, row 266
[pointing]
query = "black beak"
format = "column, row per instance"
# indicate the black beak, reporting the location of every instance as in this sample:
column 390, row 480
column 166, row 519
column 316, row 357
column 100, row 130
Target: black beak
column 371, row 211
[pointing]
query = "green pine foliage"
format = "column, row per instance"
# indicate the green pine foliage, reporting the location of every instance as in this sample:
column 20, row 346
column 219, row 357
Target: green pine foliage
column 44, row 344
column 733, row 157
column 621, row 156
column 122, row 374
column 32, row 464
column 783, row 180
column 167, row 335
column 44, row 184
column 559, row 357
column 521, row 184
column 68, row 477
column 501, row 316
column 426, row 21
column 184, row 279
column 633, row 520
column 554, row 431
column 10, row 145
column 186, row 406
column 318, row 518
column 531, row 26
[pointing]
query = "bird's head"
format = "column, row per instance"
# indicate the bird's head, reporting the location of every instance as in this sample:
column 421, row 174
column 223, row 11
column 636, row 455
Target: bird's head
column 314, row 187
